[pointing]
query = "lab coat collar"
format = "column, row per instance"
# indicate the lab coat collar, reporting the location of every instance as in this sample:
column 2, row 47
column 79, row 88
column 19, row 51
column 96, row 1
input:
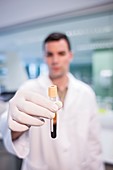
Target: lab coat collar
column 47, row 81
column 73, row 88
column 72, row 93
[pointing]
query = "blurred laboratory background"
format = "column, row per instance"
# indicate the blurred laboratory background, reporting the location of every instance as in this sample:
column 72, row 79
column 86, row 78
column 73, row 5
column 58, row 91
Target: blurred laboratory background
column 89, row 25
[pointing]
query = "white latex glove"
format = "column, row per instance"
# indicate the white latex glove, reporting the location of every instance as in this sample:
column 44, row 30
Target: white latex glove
column 28, row 108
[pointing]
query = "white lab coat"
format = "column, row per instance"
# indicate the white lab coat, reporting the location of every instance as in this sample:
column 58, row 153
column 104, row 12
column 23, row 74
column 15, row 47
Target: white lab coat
column 77, row 146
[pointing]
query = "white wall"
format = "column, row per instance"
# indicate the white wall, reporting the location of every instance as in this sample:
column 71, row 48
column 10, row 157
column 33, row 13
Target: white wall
column 19, row 11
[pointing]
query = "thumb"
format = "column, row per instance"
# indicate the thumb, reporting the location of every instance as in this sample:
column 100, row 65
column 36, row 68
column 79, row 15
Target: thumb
column 59, row 104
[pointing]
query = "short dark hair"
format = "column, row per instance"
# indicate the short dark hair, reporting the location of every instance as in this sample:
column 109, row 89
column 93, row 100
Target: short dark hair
column 56, row 36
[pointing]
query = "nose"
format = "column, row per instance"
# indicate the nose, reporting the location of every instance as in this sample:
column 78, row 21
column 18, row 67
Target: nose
column 55, row 59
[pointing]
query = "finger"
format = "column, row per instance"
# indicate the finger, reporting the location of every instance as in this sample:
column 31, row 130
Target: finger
column 59, row 104
column 26, row 119
column 35, row 110
column 41, row 100
column 15, row 126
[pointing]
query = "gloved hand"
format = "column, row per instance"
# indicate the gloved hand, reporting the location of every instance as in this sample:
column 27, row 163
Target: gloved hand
column 28, row 108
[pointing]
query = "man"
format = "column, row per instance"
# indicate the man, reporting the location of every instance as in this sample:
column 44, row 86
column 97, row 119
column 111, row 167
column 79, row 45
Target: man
column 77, row 145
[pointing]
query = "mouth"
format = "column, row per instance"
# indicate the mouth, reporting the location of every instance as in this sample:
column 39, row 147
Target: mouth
column 55, row 68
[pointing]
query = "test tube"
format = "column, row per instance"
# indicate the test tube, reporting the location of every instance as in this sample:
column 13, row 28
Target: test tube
column 52, row 93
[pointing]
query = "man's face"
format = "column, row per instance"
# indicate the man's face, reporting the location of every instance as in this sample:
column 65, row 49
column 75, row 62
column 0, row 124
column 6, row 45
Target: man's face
column 57, row 57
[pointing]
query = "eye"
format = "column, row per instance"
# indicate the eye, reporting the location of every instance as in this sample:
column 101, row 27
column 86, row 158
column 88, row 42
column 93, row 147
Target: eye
column 49, row 54
column 62, row 53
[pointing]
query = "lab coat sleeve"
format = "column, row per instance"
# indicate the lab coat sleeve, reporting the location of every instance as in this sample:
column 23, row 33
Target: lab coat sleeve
column 95, row 151
column 19, row 147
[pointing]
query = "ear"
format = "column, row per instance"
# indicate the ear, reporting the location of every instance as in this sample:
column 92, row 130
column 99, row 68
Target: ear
column 71, row 56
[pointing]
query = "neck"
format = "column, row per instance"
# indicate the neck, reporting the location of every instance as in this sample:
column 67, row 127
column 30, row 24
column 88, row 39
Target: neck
column 61, row 82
